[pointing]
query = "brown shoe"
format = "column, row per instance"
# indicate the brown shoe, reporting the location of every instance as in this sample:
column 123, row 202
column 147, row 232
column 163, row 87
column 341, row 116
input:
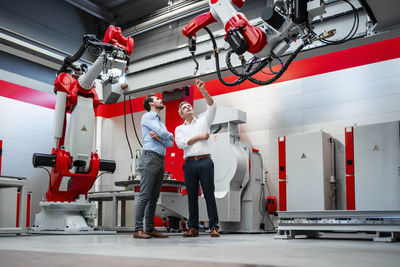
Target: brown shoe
column 214, row 232
column 193, row 232
column 141, row 235
column 157, row 234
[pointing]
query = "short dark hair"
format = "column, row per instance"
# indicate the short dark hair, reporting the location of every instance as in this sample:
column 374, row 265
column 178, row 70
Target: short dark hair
column 147, row 100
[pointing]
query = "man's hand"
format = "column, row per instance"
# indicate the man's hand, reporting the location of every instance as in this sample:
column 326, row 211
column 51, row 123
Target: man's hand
column 201, row 86
column 154, row 136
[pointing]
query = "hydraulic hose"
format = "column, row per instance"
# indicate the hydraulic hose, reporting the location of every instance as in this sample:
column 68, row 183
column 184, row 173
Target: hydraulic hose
column 216, row 54
column 248, row 76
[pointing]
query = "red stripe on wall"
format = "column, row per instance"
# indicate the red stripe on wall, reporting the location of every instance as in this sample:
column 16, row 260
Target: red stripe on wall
column 348, row 58
column 117, row 109
column 27, row 95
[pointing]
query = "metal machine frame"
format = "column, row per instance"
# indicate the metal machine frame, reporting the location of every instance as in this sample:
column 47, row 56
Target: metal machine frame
column 22, row 185
column 385, row 224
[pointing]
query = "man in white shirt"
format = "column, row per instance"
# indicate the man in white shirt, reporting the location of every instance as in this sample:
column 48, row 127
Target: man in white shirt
column 192, row 136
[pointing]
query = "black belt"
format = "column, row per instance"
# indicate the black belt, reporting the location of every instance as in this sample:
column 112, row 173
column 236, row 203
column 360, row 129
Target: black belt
column 153, row 153
column 198, row 157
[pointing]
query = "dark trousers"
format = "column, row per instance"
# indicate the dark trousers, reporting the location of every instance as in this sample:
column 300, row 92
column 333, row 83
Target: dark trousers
column 202, row 171
column 151, row 166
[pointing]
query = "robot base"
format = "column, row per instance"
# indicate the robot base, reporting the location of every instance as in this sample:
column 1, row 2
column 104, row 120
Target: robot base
column 66, row 217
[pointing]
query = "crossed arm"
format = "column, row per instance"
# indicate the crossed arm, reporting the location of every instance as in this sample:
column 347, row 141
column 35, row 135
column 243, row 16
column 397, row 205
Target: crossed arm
column 159, row 133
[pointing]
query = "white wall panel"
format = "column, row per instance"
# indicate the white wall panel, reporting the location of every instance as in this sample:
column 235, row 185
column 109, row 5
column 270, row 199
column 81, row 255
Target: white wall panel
column 331, row 101
column 115, row 147
column 25, row 81
column 25, row 129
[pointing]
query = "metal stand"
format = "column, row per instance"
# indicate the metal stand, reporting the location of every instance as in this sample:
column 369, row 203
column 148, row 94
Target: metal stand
column 22, row 185
column 312, row 224
column 171, row 194
column 115, row 197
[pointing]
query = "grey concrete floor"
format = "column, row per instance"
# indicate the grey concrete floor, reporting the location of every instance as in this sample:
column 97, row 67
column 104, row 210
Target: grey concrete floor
column 228, row 250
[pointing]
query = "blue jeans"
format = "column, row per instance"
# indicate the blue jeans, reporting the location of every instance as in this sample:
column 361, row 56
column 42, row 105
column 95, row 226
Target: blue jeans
column 202, row 171
column 151, row 166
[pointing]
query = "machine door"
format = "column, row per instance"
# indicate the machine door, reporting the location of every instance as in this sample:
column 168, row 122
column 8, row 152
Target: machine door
column 377, row 166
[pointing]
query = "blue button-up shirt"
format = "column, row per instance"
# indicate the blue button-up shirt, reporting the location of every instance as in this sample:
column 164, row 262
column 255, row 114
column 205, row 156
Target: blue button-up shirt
column 151, row 121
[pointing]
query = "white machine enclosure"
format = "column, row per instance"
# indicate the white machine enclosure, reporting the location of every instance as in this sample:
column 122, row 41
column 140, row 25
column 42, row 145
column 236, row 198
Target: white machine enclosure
column 377, row 166
column 70, row 217
column 310, row 172
column 238, row 188
column 80, row 134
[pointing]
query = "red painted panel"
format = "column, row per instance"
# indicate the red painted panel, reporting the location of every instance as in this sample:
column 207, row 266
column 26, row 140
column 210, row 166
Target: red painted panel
column 271, row 204
column 349, row 150
column 18, row 208
column 350, row 179
column 28, row 210
column 282, row 172
column 170, row 189
column 174, row 155
column 350, row 193
column 1, row 153
column 282, row 195
column 282, row 157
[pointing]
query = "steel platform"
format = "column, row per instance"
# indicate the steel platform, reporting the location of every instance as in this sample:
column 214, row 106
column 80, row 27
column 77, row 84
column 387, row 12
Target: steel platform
column 312, row 224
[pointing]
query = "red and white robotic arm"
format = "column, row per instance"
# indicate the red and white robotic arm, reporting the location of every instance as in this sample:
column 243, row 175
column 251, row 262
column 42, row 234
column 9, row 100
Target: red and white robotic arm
column 235, row 23
column 283, row 22
column 73, row 154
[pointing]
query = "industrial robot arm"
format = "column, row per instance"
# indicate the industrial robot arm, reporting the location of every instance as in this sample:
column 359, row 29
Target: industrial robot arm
column 240, row 34
column 284, row 21
column 73, row 154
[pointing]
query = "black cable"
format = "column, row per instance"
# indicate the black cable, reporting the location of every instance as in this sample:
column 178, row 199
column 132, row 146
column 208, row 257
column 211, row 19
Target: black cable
column 239, row 80
column 96, row 178
column 243, row 77
column 350, row 35
column 49, row 175
column 126, row 132
column 100, row 175
column 133, row 122
column 246, row 75
column 280, row 73
column 195, row 61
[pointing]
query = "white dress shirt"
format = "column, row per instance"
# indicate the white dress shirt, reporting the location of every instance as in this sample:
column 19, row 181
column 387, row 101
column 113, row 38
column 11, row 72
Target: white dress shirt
column 198, row 126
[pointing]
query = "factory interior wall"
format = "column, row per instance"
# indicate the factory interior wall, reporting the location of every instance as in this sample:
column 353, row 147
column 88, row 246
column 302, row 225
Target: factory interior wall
column 23, row 72
column 26, row 121
column 326, row 93
column 362, row 92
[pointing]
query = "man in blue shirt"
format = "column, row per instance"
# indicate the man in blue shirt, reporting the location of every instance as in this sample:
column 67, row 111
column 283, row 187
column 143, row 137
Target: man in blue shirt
column 151, row 165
